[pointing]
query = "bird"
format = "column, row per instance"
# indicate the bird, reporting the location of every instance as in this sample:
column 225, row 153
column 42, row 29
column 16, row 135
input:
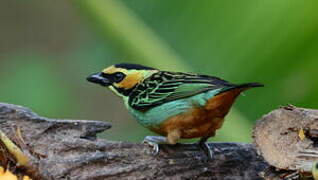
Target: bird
column 175, row 105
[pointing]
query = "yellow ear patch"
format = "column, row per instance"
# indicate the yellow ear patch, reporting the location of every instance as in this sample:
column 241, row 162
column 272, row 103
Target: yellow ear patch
column 133, row 77
column 130, row 80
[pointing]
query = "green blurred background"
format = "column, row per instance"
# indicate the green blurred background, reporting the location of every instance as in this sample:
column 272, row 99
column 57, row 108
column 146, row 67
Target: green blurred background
column 47, row 48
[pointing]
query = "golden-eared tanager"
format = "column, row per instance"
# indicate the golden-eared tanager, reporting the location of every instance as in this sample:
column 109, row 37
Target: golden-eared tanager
column 173, row 104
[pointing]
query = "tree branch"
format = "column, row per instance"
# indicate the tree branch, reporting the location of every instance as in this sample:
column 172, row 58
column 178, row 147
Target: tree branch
column 69, row 149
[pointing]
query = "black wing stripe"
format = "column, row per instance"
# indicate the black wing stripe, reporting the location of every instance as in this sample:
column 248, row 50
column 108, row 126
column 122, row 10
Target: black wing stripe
column 166, row 85
column 178, row 82
column 164, row 91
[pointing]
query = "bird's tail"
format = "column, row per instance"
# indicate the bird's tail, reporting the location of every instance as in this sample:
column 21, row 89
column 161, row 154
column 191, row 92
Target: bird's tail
column 244, row 86
column 249, row 85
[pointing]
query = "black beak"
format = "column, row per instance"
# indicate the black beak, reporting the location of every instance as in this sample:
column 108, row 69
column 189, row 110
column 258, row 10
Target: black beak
column 98, row 79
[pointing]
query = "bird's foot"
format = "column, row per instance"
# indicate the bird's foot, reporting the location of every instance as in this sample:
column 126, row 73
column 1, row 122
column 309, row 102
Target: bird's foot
column 154, row 141
column 205, row 147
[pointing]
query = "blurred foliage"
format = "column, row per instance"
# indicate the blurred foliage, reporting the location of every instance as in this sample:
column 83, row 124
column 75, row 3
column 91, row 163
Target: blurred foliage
column 48, row 49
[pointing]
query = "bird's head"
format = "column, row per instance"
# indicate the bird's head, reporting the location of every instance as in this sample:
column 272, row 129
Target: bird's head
column 122, row 78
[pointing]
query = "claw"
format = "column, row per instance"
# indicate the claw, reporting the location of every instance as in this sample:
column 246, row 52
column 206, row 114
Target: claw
column 205, row 147
column 155, row 146
column 153, row 141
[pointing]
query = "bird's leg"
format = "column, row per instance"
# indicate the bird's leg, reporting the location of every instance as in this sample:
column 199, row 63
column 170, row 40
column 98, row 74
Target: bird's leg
column 203, row 144
column 172, row 137
column 154, row 142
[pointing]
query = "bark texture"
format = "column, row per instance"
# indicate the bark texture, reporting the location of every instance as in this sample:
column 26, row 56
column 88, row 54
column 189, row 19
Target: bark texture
column 287, row 138
column 69, row 149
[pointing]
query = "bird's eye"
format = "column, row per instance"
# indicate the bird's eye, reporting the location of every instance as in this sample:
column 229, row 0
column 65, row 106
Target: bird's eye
column 118, row 76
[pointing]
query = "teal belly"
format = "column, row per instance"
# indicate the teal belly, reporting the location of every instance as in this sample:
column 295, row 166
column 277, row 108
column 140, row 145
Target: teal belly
column 154, row 117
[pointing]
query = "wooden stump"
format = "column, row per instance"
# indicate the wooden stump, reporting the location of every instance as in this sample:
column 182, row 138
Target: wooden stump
column 287, row 138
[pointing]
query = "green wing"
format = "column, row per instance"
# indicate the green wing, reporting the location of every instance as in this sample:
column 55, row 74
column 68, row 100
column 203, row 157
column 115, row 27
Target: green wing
column 165, row 86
